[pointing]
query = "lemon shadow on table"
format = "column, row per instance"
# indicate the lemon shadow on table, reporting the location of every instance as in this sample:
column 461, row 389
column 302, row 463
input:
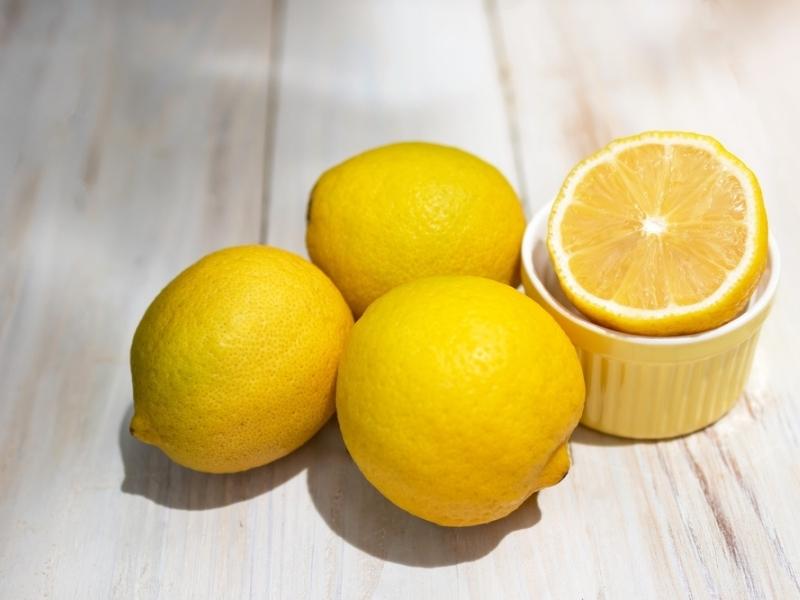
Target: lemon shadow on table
column 151, row 474
column 583, row 436
column 362, row 517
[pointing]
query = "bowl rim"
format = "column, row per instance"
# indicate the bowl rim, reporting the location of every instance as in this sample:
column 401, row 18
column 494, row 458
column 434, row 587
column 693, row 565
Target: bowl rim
column 752, row 311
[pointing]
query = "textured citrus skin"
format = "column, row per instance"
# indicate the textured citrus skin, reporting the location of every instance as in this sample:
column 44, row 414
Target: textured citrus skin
column 234, row 362
column 404, row 211
column 456, row 397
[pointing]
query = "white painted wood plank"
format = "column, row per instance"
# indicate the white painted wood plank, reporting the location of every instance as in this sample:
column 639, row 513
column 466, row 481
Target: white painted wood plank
column 710, row 515
column 353, row 75
column 356, row 74
column 132, row 144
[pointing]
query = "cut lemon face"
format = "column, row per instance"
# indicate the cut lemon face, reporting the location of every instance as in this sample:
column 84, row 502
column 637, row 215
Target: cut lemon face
column 662, row 233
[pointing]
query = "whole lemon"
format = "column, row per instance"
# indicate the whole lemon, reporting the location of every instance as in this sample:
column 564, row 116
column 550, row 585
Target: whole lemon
column 409, row 210
column 234, row 362
column 456, row 397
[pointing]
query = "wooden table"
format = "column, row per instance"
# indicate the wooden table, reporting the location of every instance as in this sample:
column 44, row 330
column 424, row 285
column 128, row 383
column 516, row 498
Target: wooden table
column 137, row 136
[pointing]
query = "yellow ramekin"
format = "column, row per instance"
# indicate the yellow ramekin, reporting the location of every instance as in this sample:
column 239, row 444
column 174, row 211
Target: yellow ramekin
column 651, row 387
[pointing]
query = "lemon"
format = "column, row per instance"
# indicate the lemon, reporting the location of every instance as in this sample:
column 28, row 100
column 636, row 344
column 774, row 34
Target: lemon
column 662, row 233
column 234, row 362
column 409, row 210
column 456, row 396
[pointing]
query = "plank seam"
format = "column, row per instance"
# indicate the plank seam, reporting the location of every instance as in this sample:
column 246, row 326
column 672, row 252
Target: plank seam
column 277, row 29
column 506, row 84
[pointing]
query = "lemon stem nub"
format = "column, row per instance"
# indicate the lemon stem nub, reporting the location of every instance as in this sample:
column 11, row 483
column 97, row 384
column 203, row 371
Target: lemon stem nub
column 556, row 468
column 141, row 430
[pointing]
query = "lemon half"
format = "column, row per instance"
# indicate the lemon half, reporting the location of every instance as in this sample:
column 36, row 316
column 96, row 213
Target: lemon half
column 661, row 233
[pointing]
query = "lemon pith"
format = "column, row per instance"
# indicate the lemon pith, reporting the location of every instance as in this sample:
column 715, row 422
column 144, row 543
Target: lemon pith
column 662, row 233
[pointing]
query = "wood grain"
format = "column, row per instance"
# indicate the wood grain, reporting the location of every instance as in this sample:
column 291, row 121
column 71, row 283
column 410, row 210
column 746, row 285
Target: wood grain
column 714, row 517
column 132, row 144
column 138, row 136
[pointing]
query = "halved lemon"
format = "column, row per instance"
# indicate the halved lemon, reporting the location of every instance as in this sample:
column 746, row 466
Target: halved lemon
column 662, row 233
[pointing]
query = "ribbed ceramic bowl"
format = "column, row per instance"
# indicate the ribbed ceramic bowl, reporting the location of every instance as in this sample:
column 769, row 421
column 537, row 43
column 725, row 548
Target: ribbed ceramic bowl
column 651, row 387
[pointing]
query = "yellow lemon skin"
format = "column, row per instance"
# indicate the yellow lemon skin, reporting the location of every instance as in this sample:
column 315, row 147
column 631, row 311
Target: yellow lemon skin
column 409, row 210
column 234, row 363
column 456, row 397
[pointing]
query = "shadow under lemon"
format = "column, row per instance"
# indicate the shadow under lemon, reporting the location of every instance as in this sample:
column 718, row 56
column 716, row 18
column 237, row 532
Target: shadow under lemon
column 583, row 436
column 151, row 474
column 359, row 514
column 351, row 507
